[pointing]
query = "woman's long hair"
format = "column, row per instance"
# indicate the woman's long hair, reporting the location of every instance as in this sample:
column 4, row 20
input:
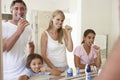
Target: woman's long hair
column 60, row 31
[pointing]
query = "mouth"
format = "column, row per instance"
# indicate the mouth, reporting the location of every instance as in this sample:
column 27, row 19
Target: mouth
column 91, row 43
column 19, row 17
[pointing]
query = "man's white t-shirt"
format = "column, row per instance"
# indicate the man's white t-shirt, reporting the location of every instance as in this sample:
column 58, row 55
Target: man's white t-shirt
column 14, row 60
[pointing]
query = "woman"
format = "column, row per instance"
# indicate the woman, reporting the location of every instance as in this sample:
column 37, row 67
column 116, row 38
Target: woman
column 54, row 42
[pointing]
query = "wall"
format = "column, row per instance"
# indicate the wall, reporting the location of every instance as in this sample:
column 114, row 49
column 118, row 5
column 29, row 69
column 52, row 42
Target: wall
column 115, row 30
column 102, row 16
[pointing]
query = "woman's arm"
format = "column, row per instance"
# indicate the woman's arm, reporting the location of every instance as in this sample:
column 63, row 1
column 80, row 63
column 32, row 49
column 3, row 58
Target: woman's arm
column 53, row 71
column 68, row 38
column 44, row 50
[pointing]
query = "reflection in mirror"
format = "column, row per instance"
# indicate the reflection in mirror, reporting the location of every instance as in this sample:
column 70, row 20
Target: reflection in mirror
column 39, row 19
column 80, row 14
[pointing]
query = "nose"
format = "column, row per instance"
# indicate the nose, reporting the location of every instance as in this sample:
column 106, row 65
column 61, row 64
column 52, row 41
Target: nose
column 19, row 11
column 37, row 65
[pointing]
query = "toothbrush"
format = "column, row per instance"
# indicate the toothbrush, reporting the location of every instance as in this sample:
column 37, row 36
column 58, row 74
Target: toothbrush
column 19, row 16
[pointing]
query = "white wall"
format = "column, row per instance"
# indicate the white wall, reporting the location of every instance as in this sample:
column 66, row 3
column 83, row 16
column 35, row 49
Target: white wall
column 115, row 30
column 97, row 14
column 102, row 16
column 48, row 5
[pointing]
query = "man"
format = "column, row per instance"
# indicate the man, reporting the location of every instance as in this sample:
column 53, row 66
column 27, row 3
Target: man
column 16, row 35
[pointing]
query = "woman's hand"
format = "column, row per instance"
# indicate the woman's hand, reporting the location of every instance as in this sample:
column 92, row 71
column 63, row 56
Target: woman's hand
column 68, row 29
column 55, row 72
column 61, row 70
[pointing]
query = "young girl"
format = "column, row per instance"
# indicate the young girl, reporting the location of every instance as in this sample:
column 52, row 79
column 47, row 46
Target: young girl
column 87, row 52
column 34, row 67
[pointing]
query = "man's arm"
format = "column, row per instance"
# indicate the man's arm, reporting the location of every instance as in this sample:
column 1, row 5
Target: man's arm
column 31, row 47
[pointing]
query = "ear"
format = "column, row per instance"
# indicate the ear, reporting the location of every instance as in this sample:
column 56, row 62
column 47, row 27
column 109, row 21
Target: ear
column 11, row 10
column 83, row 38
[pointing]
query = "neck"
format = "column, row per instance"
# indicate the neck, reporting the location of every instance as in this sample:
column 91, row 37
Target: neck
column 53, row 31
column 87, row 48
column 14, row 21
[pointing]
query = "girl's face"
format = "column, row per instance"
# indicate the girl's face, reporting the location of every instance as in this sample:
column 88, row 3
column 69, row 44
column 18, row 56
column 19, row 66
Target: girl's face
column 35, row 65
column 58, row 21
column 89, row 39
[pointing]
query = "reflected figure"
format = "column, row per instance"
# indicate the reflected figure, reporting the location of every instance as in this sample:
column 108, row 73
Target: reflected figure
column 16, row 36
column 54, row 42
column 87, row 52
column 35, row 67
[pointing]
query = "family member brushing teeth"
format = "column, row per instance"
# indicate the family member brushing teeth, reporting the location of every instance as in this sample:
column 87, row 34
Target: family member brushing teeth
column 16, row 35
column 54, row 42
column 87, row 52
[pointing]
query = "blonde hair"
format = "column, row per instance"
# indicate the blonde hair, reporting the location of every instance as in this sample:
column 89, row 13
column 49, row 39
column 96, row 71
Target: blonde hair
column 60, row 31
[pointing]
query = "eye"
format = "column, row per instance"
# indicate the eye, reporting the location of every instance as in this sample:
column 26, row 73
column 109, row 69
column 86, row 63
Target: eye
column 58, row 19
column 34, row 64
column 89, row 37
column 40, row 63
column 62, row 20
column 17, row 8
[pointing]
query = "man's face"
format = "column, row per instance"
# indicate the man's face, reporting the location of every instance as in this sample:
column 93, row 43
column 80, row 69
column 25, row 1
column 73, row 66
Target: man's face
column 18, row 10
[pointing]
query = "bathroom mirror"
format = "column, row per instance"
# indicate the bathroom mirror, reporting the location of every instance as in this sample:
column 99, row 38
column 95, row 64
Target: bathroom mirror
column 100, row 15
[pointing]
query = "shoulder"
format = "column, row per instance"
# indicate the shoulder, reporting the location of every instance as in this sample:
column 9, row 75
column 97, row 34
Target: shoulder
column 79, row 47
column 44, row 34
column 28, row 72
column 5, row 24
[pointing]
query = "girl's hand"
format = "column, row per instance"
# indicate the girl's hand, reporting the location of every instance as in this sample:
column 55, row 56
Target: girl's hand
column 97, row 49
column 61, row 70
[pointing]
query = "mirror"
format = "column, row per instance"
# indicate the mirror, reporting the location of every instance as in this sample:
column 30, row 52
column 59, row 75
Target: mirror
column 80, row 14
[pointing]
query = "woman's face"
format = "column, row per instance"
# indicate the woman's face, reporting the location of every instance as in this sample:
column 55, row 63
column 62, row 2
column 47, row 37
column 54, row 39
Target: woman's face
column 58, row 21
column 35, row 65
column 89, row 39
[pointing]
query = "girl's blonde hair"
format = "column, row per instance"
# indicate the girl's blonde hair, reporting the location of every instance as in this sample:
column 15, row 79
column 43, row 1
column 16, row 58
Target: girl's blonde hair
column 60, row 31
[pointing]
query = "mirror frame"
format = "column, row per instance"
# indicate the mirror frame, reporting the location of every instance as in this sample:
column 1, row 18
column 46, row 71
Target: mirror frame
column 1, row 67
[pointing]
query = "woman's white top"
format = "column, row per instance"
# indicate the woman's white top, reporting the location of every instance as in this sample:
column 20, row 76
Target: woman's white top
column 56, row 52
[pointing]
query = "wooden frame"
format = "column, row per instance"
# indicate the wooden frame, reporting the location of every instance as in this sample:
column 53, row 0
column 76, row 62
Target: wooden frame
column 1, row 67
